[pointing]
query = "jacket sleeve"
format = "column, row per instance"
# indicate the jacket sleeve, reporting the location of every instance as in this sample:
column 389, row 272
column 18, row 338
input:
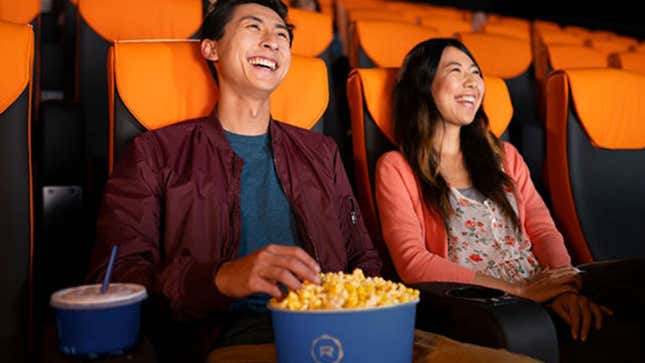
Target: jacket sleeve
column 130, row 216
column 548, row 244
column 361, row 253
column 400, row 210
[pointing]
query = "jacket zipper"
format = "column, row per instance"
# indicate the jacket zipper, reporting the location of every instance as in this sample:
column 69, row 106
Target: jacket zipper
column 352, row 213
column 301, row 225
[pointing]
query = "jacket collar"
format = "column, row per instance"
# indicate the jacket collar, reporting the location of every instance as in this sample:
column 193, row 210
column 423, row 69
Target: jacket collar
column 216, row 134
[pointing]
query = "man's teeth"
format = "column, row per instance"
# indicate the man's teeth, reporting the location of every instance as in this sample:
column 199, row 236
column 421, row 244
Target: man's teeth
column 256, row 61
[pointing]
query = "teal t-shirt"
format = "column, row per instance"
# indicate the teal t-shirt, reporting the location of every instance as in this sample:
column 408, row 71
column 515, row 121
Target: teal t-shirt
column 266, row 214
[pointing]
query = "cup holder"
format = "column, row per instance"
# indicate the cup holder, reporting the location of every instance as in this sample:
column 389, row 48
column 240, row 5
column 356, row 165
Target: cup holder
column 478, row 293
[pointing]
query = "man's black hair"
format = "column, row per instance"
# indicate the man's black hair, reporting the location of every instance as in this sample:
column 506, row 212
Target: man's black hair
column 215, row 20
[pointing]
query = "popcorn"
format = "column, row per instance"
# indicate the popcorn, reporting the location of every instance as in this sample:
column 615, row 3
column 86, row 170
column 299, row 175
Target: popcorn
column 346, row 291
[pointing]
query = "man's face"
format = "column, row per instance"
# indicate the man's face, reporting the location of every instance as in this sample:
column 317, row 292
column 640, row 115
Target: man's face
column 253, row 55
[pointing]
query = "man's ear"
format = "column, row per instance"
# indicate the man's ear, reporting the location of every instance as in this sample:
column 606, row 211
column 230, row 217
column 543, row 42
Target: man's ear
column 209, row 50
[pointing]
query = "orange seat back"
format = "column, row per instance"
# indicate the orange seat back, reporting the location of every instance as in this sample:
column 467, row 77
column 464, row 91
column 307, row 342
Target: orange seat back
column 595, row 150
column 385, row 44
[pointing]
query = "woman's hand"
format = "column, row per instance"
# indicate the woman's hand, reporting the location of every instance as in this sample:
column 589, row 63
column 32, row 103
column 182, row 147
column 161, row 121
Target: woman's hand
column 578, row 311
column 550, row 283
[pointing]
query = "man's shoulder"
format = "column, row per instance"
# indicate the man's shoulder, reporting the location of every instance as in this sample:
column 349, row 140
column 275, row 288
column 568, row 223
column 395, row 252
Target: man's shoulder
column 173, row 132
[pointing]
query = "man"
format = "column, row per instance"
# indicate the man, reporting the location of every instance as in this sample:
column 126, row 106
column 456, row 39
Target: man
column 216, row 215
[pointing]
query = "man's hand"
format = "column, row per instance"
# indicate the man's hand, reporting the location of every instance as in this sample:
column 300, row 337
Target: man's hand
column 577, row 311
column 550, row 283
column 263, row 270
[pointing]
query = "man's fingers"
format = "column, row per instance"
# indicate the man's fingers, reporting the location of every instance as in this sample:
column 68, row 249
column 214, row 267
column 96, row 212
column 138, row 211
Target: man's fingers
column 281, row 275
column 260, row 284
column 296, row 252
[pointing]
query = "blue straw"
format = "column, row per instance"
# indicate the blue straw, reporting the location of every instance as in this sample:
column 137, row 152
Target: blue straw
column 108, row 272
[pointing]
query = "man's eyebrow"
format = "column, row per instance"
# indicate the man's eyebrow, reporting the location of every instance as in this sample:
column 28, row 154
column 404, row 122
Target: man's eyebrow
column 259, row 20
column 251, row 17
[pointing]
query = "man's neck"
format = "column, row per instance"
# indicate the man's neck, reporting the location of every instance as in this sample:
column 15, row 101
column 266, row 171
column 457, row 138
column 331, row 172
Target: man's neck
column 244, row 115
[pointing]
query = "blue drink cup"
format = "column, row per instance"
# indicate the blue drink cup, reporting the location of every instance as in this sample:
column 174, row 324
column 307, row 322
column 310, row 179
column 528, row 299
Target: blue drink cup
column 375, row 335
column 92, row 324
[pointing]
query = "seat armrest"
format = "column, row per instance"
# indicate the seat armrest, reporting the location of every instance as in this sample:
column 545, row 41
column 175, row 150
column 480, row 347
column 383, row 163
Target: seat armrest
column 488, row 317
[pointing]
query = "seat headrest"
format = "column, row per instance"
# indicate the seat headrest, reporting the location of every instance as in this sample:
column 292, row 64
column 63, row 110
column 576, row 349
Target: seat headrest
column 142, row 19
column 486, row 48
column 17, row 44
column 574, row 56
column 613, row 44
column 630, row 61
column 19, row 11
column 510, row 29
column 303, row 96
column 378, row 14
column 163, row 82
column 445, row 26
column 313, row 32
column 378, row 85
column 551, row 36
column 610, row 105
column 387, row 43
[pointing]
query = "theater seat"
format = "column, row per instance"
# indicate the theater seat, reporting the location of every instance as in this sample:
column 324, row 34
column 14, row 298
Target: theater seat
column 630, row 61
column 595, row 159
column 369, row 93
column 100, row 23
column 385, row 44
column 16, row 198
column 155, row 84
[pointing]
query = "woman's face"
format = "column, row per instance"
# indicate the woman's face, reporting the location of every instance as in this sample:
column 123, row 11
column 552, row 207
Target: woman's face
column 458, row 87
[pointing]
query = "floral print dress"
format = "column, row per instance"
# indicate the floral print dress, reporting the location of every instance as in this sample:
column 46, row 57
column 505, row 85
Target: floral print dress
column 480, row 237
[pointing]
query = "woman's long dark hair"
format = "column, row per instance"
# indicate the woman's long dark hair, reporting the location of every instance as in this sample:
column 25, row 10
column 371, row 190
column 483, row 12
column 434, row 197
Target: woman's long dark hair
column 416, row 120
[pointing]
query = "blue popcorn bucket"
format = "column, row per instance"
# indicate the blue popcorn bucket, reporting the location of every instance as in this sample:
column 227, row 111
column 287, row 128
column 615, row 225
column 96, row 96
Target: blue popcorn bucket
column 375, row 335
column 91, row 324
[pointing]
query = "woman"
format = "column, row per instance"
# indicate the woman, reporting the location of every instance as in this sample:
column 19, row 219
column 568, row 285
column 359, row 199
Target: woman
column 457, row 204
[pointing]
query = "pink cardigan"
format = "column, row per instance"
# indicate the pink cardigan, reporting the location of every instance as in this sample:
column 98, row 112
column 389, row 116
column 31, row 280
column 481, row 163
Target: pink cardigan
column 416, row 236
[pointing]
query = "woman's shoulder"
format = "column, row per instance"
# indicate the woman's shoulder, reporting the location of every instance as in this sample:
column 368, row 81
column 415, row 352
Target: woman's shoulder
column 513, row 161
column 392, row 160
column 393, row 166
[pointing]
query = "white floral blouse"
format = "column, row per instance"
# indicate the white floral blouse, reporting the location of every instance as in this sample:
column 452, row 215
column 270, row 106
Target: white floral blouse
column 482, row 238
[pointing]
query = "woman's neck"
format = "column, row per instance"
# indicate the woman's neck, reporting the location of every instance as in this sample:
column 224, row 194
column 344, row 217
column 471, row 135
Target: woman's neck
column 447, row 140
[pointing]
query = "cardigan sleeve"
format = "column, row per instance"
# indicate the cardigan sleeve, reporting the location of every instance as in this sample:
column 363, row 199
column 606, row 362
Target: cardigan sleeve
column 548, row 244
column 402, row 224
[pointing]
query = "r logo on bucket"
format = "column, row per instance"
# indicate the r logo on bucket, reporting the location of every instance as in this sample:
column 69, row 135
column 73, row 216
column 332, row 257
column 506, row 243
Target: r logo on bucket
column 326, row 349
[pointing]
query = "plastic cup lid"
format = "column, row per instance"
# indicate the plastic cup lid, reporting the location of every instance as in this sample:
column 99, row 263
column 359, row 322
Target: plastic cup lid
column 87, row 297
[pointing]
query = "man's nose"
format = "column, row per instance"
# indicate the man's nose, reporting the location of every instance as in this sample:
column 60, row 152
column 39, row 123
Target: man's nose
column 270, row 41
